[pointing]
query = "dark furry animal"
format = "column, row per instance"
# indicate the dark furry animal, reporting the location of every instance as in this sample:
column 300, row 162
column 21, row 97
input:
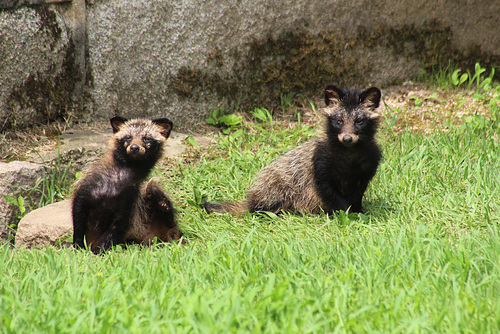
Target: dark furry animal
column 113, row 204
column 330, row 172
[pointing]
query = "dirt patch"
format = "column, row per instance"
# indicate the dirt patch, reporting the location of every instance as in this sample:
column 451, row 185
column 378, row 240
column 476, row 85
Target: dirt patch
column 38, row 139
column 418, row 108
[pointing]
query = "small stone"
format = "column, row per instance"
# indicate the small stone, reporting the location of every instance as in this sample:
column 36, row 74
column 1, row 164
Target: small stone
column 49, row 225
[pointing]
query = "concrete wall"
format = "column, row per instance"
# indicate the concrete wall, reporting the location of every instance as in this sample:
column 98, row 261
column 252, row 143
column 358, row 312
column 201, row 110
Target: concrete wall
column 182, row 58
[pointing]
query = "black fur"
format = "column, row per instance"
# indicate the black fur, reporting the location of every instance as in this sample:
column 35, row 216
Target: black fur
column 109, row 200
column 342, row 173
column 330, row 172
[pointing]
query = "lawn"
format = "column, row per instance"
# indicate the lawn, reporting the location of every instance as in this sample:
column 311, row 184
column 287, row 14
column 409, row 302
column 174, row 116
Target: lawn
column 423, row 257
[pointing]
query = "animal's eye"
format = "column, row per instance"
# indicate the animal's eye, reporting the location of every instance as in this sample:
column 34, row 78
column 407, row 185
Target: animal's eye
column 340, row 122
column 127, row 138
column 147, row 140
column 359, row 121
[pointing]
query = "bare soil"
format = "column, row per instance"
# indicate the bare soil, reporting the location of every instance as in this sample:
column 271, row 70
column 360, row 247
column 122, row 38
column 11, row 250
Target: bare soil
column 419, row 108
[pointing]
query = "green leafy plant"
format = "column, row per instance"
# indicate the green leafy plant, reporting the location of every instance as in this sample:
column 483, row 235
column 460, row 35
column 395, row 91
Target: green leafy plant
column 419, row 100
column 263, row 115
column 66, row 238
column 192, row 142
column 265, row 118
column 312, row 106
column 439, row 76
column 477, row 75
column 494, row 105
column 458, row 79
column 486, row 88
column 222, row 119
column 487, row 83
column 286, row 101
column 199, row 198
column 450, row 77
column 55, row 185
column 19, row 203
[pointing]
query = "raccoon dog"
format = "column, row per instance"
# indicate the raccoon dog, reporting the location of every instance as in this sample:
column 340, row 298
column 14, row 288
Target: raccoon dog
column 330, row 172
column 113, row 204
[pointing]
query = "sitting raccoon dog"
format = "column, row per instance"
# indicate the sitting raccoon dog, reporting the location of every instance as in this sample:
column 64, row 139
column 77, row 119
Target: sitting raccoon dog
column 330, row 172
column 112, row 204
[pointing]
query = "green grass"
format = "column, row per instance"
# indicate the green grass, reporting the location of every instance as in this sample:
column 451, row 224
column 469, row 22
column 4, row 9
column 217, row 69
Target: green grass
column 424, row 257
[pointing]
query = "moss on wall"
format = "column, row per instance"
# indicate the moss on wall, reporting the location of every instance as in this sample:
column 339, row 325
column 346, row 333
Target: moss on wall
column 46, row 95
column 301, row 62
column 431, row 43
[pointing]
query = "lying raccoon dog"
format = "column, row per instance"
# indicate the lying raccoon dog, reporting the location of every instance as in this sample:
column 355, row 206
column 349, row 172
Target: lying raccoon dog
column 113, row 204
column 330, row 172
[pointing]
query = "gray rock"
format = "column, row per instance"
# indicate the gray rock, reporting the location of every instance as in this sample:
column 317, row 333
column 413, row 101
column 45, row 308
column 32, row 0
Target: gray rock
column 15, row 177
column 42, row 69
column 49, row 225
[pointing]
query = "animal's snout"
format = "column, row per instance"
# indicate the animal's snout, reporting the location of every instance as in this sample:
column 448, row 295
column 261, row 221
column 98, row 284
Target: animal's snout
column 134, row 148
column 136, row 151
column 347, row 139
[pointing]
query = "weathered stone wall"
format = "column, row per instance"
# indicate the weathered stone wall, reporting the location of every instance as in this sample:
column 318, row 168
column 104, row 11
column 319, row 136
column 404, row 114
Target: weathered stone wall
column 42, row 60
column 183, row 58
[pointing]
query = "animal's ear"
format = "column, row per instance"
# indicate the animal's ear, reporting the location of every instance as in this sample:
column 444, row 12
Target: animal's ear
column 333, row 95
column 117, row 122
column 370, row 98
column 165, row 126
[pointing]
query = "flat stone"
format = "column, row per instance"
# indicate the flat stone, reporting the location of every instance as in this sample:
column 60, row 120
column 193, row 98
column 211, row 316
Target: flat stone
column 97, row 141
column 175, row 146
column 74, row 140
column 49, row 225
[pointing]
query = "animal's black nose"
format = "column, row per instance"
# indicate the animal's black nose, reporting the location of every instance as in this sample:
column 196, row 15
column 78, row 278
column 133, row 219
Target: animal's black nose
column 134, row 148
column 347, row 139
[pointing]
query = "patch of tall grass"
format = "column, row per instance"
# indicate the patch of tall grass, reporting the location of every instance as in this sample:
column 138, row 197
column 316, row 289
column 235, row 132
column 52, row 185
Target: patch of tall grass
column 423, row 257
